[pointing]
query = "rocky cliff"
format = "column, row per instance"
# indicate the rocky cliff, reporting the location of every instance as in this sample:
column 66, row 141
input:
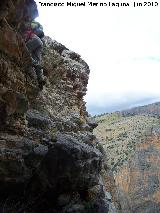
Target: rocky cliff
column 131, row 140
column 49, row 160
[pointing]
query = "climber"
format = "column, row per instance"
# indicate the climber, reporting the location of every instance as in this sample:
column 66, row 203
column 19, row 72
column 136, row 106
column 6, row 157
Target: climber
column 33, row 34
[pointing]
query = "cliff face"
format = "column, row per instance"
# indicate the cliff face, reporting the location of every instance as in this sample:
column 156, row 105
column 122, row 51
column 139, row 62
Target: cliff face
column 131, row 140
column 137, row 181
column 48, row 156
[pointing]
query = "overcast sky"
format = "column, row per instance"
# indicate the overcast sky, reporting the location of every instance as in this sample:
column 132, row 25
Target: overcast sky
column 121, row 46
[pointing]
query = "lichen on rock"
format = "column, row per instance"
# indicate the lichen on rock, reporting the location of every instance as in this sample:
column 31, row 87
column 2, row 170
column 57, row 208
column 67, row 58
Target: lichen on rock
column 49, row 161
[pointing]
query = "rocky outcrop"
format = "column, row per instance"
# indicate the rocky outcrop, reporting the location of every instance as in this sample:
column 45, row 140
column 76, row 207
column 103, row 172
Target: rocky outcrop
column 137, row 182
column 49, row 161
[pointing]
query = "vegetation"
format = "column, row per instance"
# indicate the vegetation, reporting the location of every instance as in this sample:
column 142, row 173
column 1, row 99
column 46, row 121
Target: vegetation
column 120, row 134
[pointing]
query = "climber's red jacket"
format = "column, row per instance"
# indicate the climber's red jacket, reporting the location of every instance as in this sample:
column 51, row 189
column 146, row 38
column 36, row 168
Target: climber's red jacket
column 28, row 34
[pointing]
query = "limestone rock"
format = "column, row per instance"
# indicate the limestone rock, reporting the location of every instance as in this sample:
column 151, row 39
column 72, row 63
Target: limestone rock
column 47, row 148
column 76, row 164
column 75, row 208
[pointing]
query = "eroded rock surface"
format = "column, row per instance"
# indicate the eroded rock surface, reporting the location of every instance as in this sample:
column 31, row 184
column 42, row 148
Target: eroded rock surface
column 138, row 180
column 49, row 161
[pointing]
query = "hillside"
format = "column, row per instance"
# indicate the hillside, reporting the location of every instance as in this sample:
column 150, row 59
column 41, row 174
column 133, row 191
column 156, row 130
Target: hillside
column 119, row 135
column 150, row 109
column 132, row 145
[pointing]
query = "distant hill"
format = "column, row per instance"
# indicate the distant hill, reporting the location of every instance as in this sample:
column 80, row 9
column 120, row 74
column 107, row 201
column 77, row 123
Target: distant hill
column 150, row 109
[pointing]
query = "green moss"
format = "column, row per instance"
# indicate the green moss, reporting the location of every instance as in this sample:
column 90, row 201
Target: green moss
column 80, row 121
column 100, row 147
column 53, row 134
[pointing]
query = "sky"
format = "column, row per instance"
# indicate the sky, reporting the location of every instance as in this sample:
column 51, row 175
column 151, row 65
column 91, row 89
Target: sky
column 121, row 46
